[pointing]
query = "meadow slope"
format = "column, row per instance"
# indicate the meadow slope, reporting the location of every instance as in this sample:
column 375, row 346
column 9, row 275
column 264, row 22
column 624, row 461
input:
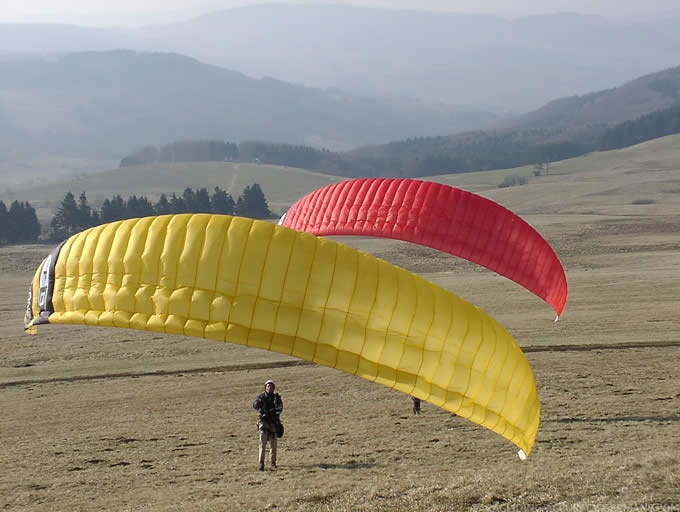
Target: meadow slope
column 114, row 419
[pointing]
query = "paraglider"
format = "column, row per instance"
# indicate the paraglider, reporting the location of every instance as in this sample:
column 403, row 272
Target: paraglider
column 438, row 216
column 266, row 286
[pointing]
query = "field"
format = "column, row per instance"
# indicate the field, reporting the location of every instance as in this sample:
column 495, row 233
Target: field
column 155, row 179
column 114, row 419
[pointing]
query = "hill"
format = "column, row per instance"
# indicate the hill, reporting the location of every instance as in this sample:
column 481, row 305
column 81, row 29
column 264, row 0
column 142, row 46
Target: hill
column 85, row 112
column 106, row 103
column 511, row 65
column 633, row 99
column 283, row 185
column 563, row 128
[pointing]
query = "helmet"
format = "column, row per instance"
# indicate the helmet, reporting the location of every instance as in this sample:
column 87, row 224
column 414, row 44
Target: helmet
column 270, row 382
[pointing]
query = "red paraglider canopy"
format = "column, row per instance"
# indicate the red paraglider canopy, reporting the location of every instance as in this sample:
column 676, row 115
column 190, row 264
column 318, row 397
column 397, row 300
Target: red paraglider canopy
column 438, row 216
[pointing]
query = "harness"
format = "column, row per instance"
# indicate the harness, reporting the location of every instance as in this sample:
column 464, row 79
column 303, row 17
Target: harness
column 269, row 408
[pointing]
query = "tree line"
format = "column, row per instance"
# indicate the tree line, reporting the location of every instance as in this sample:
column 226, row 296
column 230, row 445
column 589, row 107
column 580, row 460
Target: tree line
column 426, row 156
column 303, row 157
column 19, row 223
column 648, row 127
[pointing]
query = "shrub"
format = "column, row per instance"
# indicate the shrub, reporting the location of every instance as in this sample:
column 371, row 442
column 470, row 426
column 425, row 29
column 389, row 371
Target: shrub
column 511, row 181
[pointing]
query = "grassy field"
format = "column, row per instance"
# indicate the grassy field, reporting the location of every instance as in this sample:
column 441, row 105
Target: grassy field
column 113, row 419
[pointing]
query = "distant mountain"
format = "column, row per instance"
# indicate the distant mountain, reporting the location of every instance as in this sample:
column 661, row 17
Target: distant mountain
column 459, row 59
column 562, row 129
column 108, row 103
column 456, row 58
column 574, row 114
column 639, row 110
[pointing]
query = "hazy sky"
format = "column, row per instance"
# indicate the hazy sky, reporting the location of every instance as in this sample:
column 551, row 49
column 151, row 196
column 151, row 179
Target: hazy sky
column 138, row 12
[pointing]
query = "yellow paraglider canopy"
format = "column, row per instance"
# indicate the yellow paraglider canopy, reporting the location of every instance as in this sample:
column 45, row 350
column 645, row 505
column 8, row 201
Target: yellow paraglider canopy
column 266, row 286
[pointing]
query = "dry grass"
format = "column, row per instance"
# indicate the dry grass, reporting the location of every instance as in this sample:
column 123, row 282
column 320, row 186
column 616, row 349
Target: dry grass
column 110, row 419
column 281, row 185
